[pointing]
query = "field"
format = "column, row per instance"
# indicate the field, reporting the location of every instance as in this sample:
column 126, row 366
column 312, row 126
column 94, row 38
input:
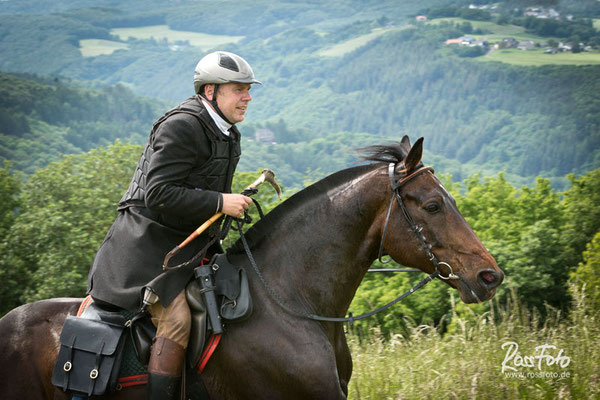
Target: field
column 537, row 57
column 554, row 360
column 340, row 49
column 160, row 32
column 97, row 47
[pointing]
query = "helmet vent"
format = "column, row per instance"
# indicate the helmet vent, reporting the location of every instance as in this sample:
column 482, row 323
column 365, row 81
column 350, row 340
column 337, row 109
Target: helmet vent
column 227, row 62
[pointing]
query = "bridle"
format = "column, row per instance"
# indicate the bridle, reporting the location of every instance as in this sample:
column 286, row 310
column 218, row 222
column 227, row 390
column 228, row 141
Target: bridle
column 416, row 229
column 395, row 195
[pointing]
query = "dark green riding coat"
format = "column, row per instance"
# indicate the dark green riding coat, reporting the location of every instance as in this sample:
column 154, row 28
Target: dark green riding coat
column 186, row 165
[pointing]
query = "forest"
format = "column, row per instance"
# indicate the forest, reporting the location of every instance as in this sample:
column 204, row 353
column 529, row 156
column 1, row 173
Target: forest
column 518, row 147
column 489, row 117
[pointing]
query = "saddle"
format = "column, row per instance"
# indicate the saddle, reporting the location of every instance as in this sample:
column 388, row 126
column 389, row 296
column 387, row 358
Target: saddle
column 93, row 344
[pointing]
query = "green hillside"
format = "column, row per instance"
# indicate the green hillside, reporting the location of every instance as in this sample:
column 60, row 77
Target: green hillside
column 343, row 69
column 42, row 119
column 514, row 135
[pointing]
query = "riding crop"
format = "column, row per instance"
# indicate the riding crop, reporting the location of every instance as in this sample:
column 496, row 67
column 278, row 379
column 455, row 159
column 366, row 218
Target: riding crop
column 266, row 176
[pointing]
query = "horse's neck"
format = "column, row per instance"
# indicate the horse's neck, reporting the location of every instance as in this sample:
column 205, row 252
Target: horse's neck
column 323, row 250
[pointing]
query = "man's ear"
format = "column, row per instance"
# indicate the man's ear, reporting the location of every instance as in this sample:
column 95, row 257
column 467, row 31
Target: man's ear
column 209, row 90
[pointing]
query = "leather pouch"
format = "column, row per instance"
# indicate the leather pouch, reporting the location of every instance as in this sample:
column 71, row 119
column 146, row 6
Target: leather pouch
column 89, row 357
column 238, row 308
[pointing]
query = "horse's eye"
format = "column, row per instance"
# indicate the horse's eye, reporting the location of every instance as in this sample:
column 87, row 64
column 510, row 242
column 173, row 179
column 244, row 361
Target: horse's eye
column 433, row 207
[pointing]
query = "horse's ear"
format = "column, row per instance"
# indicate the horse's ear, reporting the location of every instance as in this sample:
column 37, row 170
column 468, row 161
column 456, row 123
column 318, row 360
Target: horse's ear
column 405, row 144
column 414, row 155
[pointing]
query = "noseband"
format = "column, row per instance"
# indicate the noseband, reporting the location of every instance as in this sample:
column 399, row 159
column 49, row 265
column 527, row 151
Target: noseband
column 418, row 230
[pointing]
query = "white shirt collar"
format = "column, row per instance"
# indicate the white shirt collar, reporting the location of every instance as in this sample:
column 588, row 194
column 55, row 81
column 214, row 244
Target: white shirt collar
column 223, row 125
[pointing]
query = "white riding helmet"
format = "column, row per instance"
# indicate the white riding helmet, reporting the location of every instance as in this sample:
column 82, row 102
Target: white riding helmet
column 222, row 67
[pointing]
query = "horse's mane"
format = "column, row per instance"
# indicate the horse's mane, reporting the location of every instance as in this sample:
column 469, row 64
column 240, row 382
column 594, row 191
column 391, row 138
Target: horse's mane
column 394, row 152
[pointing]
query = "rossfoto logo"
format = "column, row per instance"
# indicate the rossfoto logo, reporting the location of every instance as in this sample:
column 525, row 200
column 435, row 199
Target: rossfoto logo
column 534, row 365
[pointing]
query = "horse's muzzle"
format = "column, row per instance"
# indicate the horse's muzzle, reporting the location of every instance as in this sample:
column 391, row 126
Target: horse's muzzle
column 490, row 279
column 482, row 288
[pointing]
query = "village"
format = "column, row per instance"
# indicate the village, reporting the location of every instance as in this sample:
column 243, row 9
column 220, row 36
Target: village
column 551, row 46
column 488, row 44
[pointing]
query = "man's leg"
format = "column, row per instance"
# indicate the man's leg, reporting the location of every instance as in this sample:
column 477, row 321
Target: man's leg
column 173, row 325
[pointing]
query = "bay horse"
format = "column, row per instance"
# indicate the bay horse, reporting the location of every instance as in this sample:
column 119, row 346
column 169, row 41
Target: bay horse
column 313, row 251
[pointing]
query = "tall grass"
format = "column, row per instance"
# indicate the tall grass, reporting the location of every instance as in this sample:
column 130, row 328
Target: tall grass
column 467, row 363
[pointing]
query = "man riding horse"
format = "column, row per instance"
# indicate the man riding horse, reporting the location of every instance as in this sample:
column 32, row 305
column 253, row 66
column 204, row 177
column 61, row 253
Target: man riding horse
column 183, row 177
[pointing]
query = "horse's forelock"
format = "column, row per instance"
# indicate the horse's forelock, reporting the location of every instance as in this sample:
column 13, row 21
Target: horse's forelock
column 389, row 153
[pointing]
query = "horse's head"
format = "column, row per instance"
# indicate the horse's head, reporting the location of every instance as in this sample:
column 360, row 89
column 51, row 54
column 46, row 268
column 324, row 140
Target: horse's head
column 438, row 235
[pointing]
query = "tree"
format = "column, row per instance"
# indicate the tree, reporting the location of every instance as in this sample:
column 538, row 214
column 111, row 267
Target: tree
column 521, row 228
column 9, row 202
column 588, row 272
column 12, row 275
column 582, row 216
column 66, row 209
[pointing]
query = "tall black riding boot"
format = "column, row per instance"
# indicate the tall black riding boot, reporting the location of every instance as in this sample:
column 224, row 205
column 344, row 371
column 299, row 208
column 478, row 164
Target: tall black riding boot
column 164, row 369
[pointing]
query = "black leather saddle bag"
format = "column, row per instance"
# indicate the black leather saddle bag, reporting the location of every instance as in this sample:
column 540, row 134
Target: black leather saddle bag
column 89, row 357
column 233, row 289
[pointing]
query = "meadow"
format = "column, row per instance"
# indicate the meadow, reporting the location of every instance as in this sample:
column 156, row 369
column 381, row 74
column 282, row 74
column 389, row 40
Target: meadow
column 538, row 57
column 349, row 45
column 97, row 47
column 551, row 358
column 163, row 32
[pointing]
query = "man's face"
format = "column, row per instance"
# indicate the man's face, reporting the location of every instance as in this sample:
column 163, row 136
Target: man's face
column 232, row 99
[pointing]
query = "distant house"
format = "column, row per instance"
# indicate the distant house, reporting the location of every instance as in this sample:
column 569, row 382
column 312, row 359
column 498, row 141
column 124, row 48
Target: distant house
column 483, row 7
column 421, row 18
column 481, row 43
column 467, row 40
column 564, row 47
column 453, row 41
column 526, row 45
column 540, row 12
column 264, row 135
column 508, row 43
column 552, row 13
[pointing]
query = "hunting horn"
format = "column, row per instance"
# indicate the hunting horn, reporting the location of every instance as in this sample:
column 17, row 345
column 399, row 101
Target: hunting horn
column 266, row 176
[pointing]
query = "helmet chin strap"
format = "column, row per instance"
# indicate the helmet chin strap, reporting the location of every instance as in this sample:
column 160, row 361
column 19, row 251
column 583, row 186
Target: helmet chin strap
column 213, row 102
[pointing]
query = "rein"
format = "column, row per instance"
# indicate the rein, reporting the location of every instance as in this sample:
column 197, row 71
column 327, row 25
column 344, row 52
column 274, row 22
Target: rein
column 395, row 195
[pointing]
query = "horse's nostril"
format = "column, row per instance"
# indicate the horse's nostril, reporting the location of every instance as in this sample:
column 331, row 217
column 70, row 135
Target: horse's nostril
column 489, row 278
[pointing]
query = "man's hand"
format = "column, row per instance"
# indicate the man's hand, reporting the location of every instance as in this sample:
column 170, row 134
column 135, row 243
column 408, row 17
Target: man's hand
column 235, row 204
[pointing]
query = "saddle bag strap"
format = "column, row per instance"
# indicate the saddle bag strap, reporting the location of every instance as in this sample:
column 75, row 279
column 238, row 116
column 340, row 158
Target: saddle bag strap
column 96, row 370
column 69, row 364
